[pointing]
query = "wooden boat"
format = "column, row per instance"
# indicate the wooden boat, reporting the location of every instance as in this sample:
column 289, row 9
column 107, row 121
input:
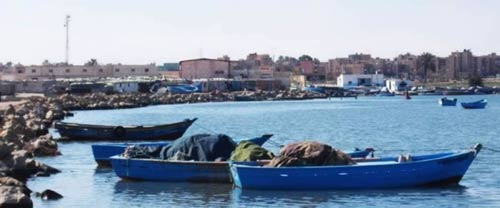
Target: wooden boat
column 425, row 170
column 103, row 152
column 480, row 104
column 82, row 132
column 447, row 102
column 176, row 171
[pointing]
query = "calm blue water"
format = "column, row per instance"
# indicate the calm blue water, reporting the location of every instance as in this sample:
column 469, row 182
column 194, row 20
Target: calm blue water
column 390, row 125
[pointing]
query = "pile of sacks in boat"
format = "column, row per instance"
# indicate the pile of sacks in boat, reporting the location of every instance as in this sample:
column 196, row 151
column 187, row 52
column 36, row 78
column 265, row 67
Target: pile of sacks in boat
column 205, row 147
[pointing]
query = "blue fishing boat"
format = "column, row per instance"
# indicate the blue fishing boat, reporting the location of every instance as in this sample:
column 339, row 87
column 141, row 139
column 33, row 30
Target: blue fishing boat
column 447, row 102
column 83, row 132
column 317, row 89
column 177, row 171
column 103, row 152
column 184, row 88
column 480, row 104
column 424, row 170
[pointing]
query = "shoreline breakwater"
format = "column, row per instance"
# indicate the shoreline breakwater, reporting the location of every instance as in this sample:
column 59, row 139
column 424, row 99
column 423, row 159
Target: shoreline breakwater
column 95, row 101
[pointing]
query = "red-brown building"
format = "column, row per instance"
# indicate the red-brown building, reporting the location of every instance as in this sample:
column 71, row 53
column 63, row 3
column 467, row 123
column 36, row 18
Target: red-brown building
column 204, row 68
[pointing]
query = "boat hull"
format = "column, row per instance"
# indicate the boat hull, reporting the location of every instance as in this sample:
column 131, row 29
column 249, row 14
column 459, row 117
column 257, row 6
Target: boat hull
column 82, row 132
column 445, row 170
column 174, row 171
column 475, row 105
column 103, row 152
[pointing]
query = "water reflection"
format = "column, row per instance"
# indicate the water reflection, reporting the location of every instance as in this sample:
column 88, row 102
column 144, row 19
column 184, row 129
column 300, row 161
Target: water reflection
column 102, row 170
column 177, row 192
column 340, row 197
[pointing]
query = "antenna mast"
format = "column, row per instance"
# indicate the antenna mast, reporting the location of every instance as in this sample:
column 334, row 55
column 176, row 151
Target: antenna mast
column 66, row 25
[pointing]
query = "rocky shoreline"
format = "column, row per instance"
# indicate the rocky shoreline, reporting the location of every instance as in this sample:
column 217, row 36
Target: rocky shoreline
column 24, row 129
column 96, row 101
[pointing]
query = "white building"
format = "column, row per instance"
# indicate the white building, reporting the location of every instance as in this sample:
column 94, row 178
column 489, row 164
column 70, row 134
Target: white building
column 355, row 80
column 396, row 85
column 126, row 86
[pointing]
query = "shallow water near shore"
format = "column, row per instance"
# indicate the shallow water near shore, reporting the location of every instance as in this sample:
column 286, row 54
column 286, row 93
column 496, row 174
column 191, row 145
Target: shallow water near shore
column 391, row 125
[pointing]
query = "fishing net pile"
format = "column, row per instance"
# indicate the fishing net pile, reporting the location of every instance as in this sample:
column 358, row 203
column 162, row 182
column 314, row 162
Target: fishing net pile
column 310, row 153
column 249, row 151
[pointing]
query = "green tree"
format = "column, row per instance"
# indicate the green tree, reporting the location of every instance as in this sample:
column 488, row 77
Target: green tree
column 475, row 80
column 91, row 62
column 426, row 63
column 305, row 58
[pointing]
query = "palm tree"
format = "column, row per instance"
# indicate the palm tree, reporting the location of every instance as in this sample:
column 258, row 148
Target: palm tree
column 426, row 62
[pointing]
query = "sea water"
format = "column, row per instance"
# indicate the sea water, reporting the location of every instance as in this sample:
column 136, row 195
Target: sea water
column 391, row 125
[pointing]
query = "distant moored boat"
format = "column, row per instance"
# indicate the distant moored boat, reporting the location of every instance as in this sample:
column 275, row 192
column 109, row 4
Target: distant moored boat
column 447, row 102
column 480, row 104
column 82, row 132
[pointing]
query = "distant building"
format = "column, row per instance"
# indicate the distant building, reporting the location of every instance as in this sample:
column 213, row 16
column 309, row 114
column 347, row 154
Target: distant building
column 360, row 57
column 404, row 66
column 355, row 80
column 125, row 86
column 397, row 85
column 47, row 72
column 461, row 65
column 204, row 68
column 488, row 65
column 358, row 63
column 169, row 67
column 307, row 67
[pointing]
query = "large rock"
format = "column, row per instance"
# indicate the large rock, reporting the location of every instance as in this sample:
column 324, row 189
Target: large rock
column 49, row 195
column 44, row 145
column 10, row 111
column 49, row 115
column 35, row 167
column 14, row 193
column 5, row 149
column 8, row 135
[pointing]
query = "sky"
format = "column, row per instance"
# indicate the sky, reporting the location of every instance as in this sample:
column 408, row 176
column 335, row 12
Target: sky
column 159, row 31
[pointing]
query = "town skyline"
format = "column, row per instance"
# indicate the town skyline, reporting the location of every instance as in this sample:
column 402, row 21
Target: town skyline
column 274, row 57
column 131, row 32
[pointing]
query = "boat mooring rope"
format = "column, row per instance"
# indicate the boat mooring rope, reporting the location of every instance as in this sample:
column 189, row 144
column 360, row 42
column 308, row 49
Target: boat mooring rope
column 490, row 149
column 432, row 150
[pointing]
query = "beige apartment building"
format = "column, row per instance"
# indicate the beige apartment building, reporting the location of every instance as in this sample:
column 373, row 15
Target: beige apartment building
column 47, row 72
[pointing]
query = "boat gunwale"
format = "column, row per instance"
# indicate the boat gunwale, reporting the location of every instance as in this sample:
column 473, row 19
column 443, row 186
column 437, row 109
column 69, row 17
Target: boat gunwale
column 451, row 155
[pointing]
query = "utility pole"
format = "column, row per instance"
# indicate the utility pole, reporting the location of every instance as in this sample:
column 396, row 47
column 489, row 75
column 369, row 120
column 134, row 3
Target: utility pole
column 66, row 25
